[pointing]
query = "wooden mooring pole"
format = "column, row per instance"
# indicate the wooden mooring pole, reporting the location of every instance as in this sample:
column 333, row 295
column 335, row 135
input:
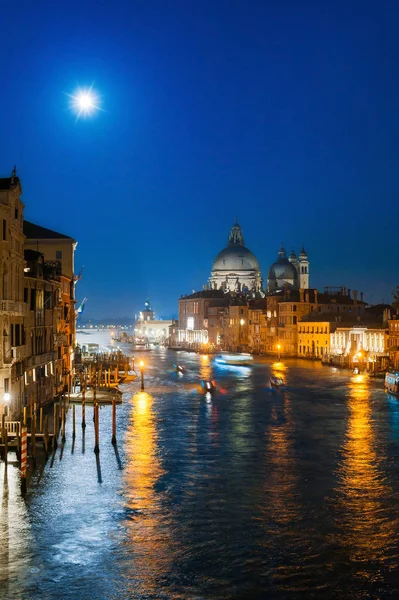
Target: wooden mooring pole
column 113, row 421
column 24, row 456
column 73, row 423
column 96, row 429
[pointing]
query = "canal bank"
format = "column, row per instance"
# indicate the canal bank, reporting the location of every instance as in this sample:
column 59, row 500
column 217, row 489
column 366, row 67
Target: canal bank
column 249, row 494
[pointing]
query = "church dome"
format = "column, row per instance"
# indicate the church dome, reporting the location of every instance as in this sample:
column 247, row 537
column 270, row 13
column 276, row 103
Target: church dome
column 282, row 268
column 235, row 258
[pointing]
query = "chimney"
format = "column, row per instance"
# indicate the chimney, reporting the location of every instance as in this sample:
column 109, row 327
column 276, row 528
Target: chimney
column 349, row 292
column 307, row 296
column 361, row 296
column 316, row 293
column 301, row 293
column 355, row 296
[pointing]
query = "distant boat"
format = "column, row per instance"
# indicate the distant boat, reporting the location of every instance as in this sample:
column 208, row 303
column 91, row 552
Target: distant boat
column 235, row 359
column 392, row 382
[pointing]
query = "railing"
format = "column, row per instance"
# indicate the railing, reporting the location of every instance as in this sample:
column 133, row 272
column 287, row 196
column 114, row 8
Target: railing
column 14, row 306
column 13, row 427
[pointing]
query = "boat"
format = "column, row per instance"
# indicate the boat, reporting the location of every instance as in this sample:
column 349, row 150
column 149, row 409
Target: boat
column 180, row 368
column 235, row 359
column 276, row 382
column 208, row 386
column 392, row 382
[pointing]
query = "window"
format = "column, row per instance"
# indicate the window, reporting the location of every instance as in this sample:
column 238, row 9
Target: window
column 294, row 308
column 190, row 322
column 58, row 254
column 16, row 213
column 32, row 299
column 25, row 294
column 6, row 385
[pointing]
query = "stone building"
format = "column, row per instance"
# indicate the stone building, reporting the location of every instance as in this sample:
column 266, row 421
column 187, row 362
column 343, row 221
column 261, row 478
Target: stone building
column 37, row 316
column 393, row 343
column 58, row 251
column 294, row 305
column 194, row 318
column 150, row 329
column 13, row 309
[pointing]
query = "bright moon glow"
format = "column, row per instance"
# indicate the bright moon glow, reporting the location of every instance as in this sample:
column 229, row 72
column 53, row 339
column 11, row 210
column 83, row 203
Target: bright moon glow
column 84, row 102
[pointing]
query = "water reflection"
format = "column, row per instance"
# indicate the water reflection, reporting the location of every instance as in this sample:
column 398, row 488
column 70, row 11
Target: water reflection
column 364, row 528
column 282, row 510
column 149, row 529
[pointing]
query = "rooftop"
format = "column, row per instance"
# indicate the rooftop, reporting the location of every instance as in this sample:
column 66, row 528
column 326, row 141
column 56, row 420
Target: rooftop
column 37, row 232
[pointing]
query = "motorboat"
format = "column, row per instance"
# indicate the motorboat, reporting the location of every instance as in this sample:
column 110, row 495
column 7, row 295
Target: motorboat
column 240, row 360
column 208, row 386
column 392, row 382
column 180, row 368
column 276, row 382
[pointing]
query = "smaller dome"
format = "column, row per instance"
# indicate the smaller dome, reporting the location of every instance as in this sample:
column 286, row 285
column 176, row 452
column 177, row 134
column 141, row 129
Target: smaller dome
column 283, row 269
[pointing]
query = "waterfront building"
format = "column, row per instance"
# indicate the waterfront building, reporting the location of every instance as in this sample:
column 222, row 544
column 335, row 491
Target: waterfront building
column 314, row 335
column 393, row 344
column 194, row 318
column 149, row 328
column 236, row 328
column 173, row 334
column 293, row 305
column 13, row 309
column 360, row 344
column 257, row 326
column 58, row 252
column 44, row 375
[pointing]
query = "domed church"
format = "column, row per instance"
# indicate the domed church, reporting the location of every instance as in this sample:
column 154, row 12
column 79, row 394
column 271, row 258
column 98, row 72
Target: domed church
column 236, row 269
column 289, row 272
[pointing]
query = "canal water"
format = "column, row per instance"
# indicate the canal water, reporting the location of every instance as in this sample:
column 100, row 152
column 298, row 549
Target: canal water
column 248, row 494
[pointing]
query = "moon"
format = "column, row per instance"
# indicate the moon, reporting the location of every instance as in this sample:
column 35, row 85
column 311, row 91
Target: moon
column 85, row 102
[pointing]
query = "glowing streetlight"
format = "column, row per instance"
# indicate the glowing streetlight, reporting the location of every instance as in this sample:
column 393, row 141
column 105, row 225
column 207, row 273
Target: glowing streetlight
column 278, row 348
column 242, row 322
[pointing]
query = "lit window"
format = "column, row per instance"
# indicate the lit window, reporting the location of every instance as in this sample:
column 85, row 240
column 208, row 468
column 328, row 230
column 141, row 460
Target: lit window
column 190, row 322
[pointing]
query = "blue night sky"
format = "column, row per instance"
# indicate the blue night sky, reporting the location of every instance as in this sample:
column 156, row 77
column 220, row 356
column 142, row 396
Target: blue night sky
column 283, row 113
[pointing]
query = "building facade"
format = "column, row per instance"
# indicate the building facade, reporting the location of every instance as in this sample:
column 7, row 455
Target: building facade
column 37, row 316
column 150, row 329
column 13, row 343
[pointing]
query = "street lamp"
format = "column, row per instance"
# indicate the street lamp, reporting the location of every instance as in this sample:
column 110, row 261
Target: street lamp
column 278, row 348
column 7, row 398
column 242, row 322
column 142, row 374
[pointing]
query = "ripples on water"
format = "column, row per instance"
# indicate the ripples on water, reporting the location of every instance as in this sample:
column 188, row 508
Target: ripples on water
column 249, row 494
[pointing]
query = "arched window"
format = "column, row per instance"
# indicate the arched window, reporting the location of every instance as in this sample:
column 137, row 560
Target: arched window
column 294, row 308
column 294, row 321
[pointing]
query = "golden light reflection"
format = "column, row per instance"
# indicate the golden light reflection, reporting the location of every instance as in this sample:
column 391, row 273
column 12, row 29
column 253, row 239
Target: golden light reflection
column 205, row 370
column 282, row 481
column 279, row 370
column 149, row 530
column 366, row 530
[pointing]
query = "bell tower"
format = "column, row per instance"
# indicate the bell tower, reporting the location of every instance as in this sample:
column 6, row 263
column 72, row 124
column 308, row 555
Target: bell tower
column 303, row 270
column 147, row 314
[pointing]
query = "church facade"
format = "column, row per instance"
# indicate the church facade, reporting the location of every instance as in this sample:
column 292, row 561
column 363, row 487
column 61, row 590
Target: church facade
column 206, row 316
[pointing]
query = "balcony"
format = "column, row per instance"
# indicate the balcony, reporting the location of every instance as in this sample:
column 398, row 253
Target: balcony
column 14, row 308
